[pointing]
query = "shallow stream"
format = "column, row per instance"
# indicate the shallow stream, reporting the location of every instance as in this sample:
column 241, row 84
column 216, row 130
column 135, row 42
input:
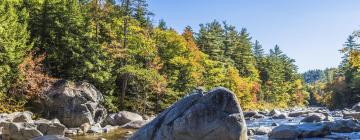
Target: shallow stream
column 121, row 134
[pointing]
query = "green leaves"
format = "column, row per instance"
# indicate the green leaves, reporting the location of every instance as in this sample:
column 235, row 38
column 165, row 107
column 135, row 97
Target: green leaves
column 85, row 41
column 14, row 42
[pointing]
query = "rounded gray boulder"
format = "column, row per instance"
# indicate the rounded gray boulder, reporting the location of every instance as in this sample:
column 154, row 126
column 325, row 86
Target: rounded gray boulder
column 74, row 104
column 216, row 115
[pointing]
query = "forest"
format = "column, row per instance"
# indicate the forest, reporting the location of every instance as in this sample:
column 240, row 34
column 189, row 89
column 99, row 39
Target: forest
column 145, row 67
column 337, row 88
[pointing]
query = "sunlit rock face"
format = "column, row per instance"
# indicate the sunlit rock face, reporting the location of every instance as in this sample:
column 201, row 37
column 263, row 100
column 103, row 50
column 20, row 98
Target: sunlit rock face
column 74, row 104
column 211, row 116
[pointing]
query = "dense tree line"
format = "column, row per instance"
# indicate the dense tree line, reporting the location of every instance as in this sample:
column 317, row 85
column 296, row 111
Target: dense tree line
column 337, row 87
column 137, row 65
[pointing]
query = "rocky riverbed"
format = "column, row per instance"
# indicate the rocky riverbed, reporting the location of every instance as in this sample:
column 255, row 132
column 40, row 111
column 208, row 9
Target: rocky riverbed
column 306, row 123
column 74, row 111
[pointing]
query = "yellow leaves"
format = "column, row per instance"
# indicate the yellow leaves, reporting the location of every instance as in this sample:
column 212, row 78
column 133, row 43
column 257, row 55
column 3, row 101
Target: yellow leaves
column 179, row 61
column 298, row 84
column 9, row 104
column 242, row 87
column 355, row 59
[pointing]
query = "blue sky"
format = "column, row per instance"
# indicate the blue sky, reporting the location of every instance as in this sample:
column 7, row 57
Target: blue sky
column 310, row 31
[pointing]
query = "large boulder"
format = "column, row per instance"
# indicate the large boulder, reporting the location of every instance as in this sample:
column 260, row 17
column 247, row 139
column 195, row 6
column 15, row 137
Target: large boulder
column 135, row 124
column 308, row 130
column 20, row 131
column 297, row 113
column 212, row 116
column 124, row 117
column 262, row 130
column 344, row 126
column 253, row 115
column 249, row 114
column 314, row 117
column 280, row 116
column 74, row 103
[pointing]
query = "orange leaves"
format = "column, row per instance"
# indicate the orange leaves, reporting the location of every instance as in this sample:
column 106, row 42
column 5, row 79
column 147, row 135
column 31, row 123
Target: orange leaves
column 35, row 79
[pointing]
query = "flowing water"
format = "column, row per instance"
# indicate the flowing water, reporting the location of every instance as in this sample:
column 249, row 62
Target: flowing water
column 293, row 121
column 122, row 134
column 118, row 134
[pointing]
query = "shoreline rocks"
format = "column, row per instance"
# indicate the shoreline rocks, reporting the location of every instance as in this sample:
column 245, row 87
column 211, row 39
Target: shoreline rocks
column 314, row 117
column 309, row 130
column 20, row 126
column 214, row 115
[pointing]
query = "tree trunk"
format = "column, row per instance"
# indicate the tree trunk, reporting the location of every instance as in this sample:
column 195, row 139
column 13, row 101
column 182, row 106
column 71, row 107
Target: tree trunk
column 125, row 77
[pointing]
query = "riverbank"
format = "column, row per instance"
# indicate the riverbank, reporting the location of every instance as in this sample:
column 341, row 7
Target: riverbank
column 75, row 111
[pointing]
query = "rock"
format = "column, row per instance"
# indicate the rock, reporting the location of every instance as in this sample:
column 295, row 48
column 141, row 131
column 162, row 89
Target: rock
column 309, row 130
column 329, row 118
column 297, row 114
column 129, row 132
column 258, row 116
column 135, row 124
column 274, row 124
column 253, row 115
column 344, row 126
column 20, row 131
column 314, row 117
column 23, row 117
column 353, row 115
column 250, row 132
column 280, row 116
column 336, row 137
column 262, row 130
column 53, row 127
column 264, row 112
column 211, row 116
column 274, row 112
column 110, row 120
column 74, row 104
column 249, row 114
column 356, row 107
column 71, row 131
column 51, row 137
column 285, row 132
column 124, row 117
column 337, row 114
column 85, row 127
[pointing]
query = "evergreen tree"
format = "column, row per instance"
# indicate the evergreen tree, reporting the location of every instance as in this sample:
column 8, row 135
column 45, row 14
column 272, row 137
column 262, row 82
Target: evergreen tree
column 243, row 56
column 211, row 40
column 162, row 25
column 258, row 50
column 141, row 12
column 14, row 42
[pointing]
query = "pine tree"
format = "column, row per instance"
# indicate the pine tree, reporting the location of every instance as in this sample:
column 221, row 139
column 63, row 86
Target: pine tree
column 14, row 42
column 211, row 40
column 258, row 50
column 141, row 12
column 162, row 25
column 243, row 56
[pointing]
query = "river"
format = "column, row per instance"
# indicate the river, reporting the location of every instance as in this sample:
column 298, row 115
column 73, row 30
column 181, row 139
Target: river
column 122, row 134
